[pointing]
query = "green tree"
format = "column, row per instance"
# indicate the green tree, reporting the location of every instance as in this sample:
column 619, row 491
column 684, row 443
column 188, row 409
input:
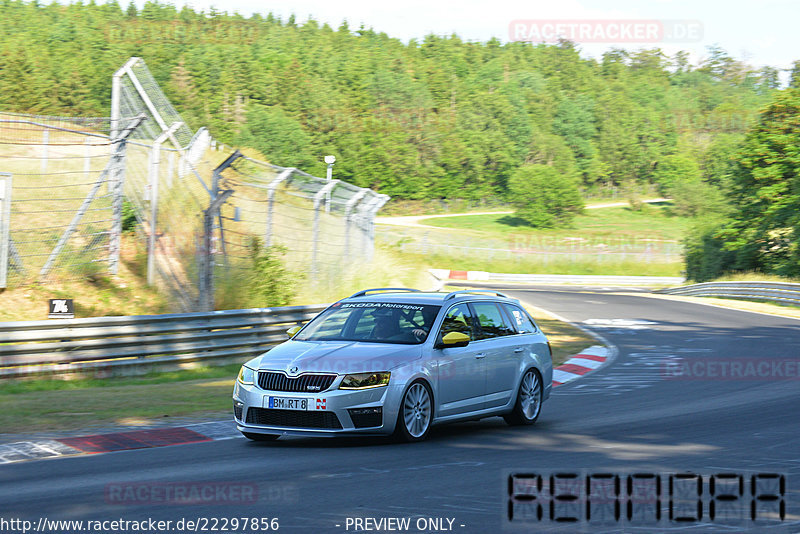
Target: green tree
column 439, row 116
column 279, row 137
column 674, row 172
column 765, row 231
column 704, row 253
column 575, row 122
column 543, row 197
column 794, row 74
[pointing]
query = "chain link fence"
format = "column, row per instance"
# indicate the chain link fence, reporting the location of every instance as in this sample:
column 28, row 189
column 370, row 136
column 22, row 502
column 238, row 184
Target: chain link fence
column 75, row 180
column 57, row 167
column 319, row 227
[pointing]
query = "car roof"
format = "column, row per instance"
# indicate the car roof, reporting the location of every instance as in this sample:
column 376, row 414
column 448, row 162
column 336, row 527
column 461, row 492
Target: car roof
column 438, row 298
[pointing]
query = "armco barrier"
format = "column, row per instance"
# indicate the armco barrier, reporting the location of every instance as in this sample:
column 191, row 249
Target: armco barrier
column 112, row 345
column 769, row 291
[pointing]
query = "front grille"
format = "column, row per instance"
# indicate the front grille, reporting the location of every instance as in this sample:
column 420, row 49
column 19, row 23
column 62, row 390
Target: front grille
column 308, row 383
column 366, row 417
column 293, row 418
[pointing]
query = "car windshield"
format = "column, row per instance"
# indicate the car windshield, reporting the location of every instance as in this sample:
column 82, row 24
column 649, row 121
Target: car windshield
column 378, row 322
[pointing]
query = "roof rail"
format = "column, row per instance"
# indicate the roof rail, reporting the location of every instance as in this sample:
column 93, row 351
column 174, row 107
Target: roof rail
column 453, row 294
column 377, row 289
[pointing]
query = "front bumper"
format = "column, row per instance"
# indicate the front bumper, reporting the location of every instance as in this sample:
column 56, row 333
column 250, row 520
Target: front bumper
column 329, row 412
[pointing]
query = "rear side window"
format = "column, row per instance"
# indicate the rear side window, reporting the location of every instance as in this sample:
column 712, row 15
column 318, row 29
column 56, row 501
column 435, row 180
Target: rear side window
column 521, row 322
column 491, row 321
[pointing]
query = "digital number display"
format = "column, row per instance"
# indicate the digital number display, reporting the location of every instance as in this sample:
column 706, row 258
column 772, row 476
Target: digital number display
column 646, row 499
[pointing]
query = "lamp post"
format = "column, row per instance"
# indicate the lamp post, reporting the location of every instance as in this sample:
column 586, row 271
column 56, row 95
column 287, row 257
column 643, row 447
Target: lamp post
column 330, row 160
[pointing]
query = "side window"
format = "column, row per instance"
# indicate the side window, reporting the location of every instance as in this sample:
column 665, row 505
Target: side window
column 458, row 319
column 521, row 322
column 491, row 320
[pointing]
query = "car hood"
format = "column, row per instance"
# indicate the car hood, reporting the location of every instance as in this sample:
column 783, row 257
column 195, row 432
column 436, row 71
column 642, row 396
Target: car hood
column 341, row 357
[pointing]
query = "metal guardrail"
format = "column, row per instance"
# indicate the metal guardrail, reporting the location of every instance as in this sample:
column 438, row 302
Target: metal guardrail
column 769, row 291
column 107, row 345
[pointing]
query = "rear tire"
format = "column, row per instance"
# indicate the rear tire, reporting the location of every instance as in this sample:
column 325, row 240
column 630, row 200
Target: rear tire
column 529, row 400
column 415, row 413
column 260, row 437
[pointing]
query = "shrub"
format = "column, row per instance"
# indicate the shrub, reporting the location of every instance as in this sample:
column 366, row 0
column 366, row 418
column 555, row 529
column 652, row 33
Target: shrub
column 544, row 197
column 270, row 282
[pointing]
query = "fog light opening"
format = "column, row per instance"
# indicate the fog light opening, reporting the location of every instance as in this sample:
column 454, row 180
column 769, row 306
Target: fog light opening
column 366, row 417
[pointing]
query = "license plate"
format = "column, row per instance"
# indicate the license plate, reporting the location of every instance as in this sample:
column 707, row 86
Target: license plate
column 288, row 403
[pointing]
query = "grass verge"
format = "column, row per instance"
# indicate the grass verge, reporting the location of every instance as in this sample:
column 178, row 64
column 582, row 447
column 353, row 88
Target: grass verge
column 58, row 405
column 616, row 241
column 98, row 296
column 653, row 222
column 550, row 264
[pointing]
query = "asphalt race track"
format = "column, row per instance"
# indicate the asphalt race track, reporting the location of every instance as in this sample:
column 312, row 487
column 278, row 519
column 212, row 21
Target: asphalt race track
column 633, row 421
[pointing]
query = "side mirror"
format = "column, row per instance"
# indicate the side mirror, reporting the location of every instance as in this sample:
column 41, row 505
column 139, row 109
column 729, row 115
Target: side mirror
column 293, row 330
column 454, row 339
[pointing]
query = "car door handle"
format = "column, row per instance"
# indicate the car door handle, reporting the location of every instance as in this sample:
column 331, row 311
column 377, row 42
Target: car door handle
column 480, row 355
column 519, row 349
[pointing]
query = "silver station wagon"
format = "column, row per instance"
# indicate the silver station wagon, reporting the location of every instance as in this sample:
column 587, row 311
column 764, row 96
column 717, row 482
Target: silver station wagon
column 397, row 361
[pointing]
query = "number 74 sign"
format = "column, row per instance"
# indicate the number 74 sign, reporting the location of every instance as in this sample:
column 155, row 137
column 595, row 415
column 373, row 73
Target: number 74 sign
column 61, row 309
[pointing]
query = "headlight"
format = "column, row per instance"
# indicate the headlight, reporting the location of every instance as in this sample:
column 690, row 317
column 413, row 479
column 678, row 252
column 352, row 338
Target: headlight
column 247, row 376
column 365, row 380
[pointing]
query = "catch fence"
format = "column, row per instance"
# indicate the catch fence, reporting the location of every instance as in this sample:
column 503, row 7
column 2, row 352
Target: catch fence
column 70, row 187
column 323, row 225
column 61, row 204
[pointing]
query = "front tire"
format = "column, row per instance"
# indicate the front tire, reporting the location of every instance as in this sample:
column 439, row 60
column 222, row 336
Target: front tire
column 415, row 414
column 260, row 437
column 529, row 400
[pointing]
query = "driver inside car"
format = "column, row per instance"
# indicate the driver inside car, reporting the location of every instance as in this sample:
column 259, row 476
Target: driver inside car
column 428, row 316
column 386, row 324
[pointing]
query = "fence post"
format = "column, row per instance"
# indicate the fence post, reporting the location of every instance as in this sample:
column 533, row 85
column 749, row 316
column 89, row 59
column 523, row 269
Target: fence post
column 368, row 212
column 116, row 184
column 379, row 202
column 347, row 219
column 154, row 174
column 5, row 226
column 116, row 97
column 315, row 231
column 205, row 280
column 285, row 174
column 116, row 188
